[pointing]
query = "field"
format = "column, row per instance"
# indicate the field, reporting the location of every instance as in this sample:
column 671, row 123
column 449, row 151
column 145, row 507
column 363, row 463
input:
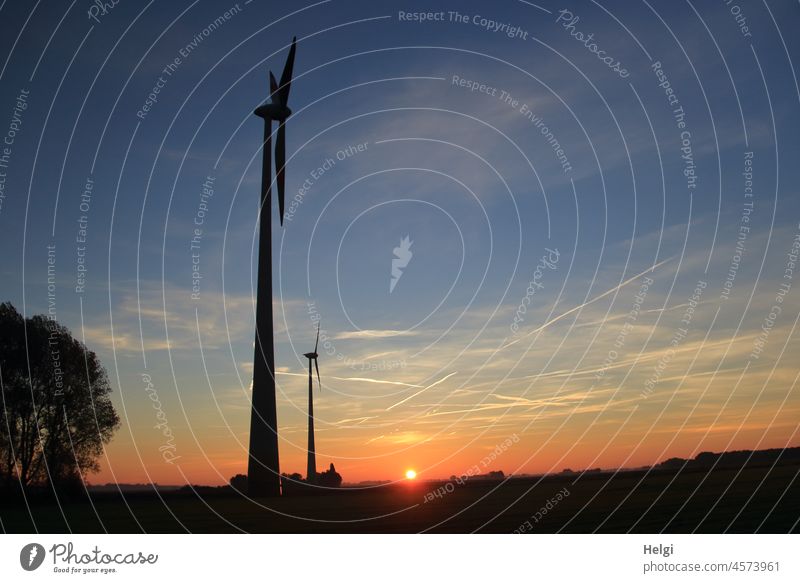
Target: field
column 755, row 499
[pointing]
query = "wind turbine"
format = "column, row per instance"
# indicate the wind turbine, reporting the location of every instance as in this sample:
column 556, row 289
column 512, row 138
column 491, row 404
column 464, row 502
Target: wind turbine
column 263, row 470
column 311, row 468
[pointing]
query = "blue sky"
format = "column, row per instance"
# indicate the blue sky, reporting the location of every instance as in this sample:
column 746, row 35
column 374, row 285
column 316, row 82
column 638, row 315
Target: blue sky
column 466, row 175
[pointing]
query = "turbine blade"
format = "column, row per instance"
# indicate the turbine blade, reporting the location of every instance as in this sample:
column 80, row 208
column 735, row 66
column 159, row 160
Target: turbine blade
column 273, row 88
column 266, row 172
column 316, row 364
column 286, row 77
column 280, row 162
column 316, row 344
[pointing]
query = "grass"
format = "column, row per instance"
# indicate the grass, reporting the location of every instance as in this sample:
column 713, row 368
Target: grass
column 757, row 499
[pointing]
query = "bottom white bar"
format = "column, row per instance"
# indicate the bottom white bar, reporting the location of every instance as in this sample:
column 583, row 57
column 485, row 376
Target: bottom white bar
column 407, row 558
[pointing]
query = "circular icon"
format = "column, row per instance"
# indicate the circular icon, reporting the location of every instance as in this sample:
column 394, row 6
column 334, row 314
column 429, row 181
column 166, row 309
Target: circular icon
column 31, row 556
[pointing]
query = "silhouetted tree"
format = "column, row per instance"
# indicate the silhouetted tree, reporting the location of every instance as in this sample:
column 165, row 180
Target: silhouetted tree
column 239, row 482
column 56, row 412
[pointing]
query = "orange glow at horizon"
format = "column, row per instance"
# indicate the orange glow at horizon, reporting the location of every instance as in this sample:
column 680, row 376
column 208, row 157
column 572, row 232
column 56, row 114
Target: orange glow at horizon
column 437, row 459
column 562, row 422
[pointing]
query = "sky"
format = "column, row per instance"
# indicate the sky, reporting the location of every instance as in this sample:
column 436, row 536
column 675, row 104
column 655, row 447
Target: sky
column 599, row 261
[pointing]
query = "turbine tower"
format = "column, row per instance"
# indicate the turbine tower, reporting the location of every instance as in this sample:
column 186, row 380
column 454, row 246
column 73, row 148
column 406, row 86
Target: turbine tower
column 311, row 467
column 263, row 470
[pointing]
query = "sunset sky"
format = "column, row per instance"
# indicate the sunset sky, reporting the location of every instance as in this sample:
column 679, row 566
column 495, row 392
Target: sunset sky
column 393, row 136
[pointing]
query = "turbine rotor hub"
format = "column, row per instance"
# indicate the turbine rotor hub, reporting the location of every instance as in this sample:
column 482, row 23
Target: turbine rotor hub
column 273, row 112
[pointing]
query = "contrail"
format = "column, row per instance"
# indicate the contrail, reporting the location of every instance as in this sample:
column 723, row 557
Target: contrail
column 359, row 419
column 483, row 407
column 359, row 379
column 602, row 295
column 421, row 391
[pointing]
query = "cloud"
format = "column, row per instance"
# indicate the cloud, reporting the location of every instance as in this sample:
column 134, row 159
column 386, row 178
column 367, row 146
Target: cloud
column 373, row 334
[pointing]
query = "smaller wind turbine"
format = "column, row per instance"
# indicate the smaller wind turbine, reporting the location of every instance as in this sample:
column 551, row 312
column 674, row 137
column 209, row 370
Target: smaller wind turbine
column 311, row 468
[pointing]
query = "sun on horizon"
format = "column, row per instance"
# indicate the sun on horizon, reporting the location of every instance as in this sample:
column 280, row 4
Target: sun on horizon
column 411, row 475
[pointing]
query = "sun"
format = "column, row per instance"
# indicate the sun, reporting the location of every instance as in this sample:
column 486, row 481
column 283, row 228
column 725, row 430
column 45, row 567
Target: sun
column 410, row 474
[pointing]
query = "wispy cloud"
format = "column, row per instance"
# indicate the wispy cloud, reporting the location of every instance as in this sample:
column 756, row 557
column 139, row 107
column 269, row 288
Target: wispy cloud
column 373, row 334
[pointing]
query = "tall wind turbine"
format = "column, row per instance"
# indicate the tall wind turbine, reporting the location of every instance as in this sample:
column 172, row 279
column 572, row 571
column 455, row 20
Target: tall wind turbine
column 311, row 468
column 263, row 470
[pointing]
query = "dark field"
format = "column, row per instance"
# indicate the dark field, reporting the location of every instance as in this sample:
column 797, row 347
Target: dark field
column 722, row 502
